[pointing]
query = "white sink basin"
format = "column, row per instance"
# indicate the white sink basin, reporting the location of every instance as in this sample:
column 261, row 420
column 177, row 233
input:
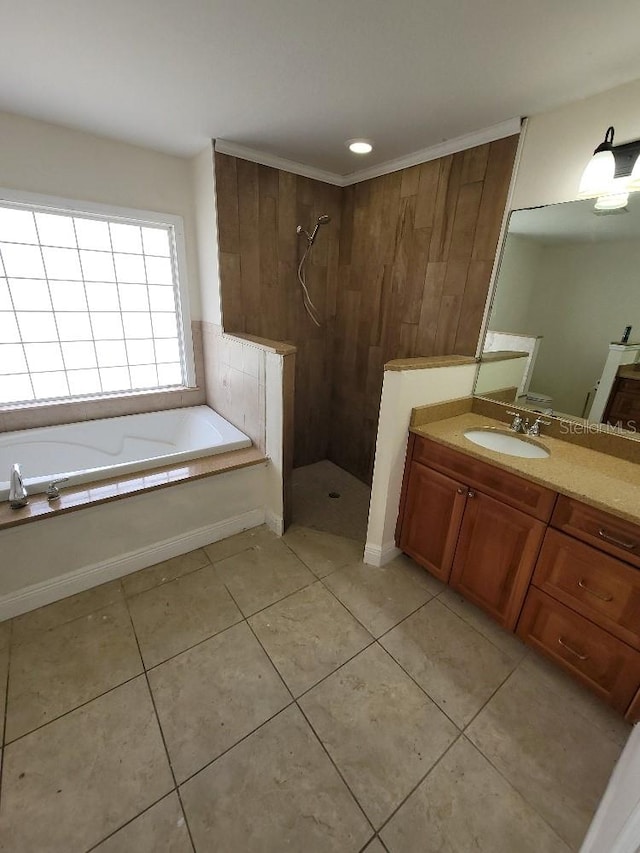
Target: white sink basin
column 504, row 442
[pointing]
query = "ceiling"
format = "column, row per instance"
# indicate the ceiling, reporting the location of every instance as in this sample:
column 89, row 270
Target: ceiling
column 575, row 222
column 296, row 78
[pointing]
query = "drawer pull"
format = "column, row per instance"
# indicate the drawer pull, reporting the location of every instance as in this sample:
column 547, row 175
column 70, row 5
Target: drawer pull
column 602, row 596
column 602, row 533
column 573, row 651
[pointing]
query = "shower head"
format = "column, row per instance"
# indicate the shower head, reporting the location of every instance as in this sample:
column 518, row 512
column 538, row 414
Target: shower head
column 322, row 220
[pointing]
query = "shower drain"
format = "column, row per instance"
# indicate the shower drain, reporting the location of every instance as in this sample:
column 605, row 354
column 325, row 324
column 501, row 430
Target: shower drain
column 334, row 494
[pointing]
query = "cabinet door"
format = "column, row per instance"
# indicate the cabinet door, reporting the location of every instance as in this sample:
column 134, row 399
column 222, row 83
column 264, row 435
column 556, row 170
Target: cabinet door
column 432, row 515
column 495, row 557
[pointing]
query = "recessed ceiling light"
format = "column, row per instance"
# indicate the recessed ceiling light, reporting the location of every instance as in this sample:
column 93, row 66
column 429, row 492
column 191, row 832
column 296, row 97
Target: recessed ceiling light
column 360, row 146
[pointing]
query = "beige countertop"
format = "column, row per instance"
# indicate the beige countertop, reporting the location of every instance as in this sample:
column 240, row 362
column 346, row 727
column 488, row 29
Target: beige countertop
column 602, row 481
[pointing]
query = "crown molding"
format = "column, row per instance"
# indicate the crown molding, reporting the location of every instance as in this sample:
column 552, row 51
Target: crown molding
column 224, row 146
column 449, row 146
column 434, row 152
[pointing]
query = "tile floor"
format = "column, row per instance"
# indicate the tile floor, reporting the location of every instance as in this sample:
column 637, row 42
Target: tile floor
column 267, row 695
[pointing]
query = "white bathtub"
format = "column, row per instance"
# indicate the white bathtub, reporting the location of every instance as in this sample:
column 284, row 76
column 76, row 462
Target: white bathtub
column 110, row 447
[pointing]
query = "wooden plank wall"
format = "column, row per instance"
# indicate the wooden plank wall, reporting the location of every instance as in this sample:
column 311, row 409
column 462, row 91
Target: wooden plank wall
column 416, row 252
column 402, row 270
column 258, row 211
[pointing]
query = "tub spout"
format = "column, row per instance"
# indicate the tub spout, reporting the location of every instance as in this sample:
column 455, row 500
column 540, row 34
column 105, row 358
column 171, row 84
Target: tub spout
column 17, row 492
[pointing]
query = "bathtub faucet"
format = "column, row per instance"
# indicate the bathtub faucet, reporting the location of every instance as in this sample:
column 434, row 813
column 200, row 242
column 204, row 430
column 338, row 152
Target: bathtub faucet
column 17, row 492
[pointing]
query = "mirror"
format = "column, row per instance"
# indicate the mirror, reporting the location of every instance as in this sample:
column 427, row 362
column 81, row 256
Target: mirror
column 568, row 286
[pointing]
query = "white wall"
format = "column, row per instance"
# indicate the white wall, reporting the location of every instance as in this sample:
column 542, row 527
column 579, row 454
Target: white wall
column 401, row 392
column 575, row 310
column 517, row 277
column 204, row 191
column 52, row 160
column 558, row 144
column 497, row 375
column 49, row 559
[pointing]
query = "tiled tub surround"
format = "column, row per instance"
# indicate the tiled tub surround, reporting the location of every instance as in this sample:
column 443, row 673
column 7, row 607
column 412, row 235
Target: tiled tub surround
column 113, row 447
column 262, row 694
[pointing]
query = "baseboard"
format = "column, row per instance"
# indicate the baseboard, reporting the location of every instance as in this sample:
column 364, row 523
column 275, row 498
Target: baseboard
column 275, row 523
column 380, row 555
column 37, row 595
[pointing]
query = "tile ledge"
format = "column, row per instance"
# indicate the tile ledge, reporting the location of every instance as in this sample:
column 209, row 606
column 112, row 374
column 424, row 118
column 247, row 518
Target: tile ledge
column 104, row 491
column 427, row 362
column 279, row 347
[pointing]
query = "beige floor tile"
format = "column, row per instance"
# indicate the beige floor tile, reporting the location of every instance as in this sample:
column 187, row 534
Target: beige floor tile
column 449, row 659
column 309, row 635
column 211, row 696
column 69, row 665
column 554, row 756
column 381, row 597
column 170, row 618
column 277, row 784
column 381, row 730
column 374, row 847
column 263, row 575
column 312, row 506
column 465, row 805
column 322, row 552
column 161, row 829
column 508, row 643
column 164, row 572
column 68, row 785
column 4, row 671
column 252, row 538
column 5, row 633
column 582, row 701
column 65, row 610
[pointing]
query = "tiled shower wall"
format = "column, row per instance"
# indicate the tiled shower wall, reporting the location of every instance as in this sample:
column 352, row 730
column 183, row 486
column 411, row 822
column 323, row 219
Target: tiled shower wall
column 258, row 211
column 403, row 270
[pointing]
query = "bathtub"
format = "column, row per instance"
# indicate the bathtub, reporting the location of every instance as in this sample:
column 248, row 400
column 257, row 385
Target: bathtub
column 111, row 447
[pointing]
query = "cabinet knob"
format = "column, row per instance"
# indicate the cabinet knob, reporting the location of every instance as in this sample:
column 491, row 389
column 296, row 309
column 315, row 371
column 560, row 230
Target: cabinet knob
column 461, row 490
column 471, row 493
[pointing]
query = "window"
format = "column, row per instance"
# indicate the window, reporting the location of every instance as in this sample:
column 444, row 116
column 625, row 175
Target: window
column 90, row 302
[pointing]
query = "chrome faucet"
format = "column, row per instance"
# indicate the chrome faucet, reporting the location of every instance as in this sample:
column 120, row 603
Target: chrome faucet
column 53, row 492
column 17, row 493
column 534, row 429
column 517, row 424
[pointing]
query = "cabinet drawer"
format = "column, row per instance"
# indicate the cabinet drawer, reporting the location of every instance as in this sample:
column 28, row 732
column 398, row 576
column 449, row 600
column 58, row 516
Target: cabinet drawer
column 606, row 532
column 602, row 662
column 513, row 490
column 598, row 586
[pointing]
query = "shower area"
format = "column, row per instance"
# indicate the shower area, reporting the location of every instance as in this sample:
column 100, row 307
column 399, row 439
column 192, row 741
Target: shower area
column 279, row 243
column 393, row 267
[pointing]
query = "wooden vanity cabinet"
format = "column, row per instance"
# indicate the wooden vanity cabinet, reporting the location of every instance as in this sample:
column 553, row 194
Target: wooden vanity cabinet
column 599, row 660
column 566, row 574
column 495, row 556
column 433, row 514
column 463, row 520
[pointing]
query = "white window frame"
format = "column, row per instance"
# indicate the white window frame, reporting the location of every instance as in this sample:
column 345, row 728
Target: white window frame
column 58, row 204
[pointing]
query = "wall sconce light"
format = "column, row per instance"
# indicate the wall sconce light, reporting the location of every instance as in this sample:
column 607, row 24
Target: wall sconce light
column 612, row 173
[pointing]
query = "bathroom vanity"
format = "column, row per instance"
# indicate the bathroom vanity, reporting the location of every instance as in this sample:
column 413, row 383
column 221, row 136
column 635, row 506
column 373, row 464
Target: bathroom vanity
column 531, row 543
